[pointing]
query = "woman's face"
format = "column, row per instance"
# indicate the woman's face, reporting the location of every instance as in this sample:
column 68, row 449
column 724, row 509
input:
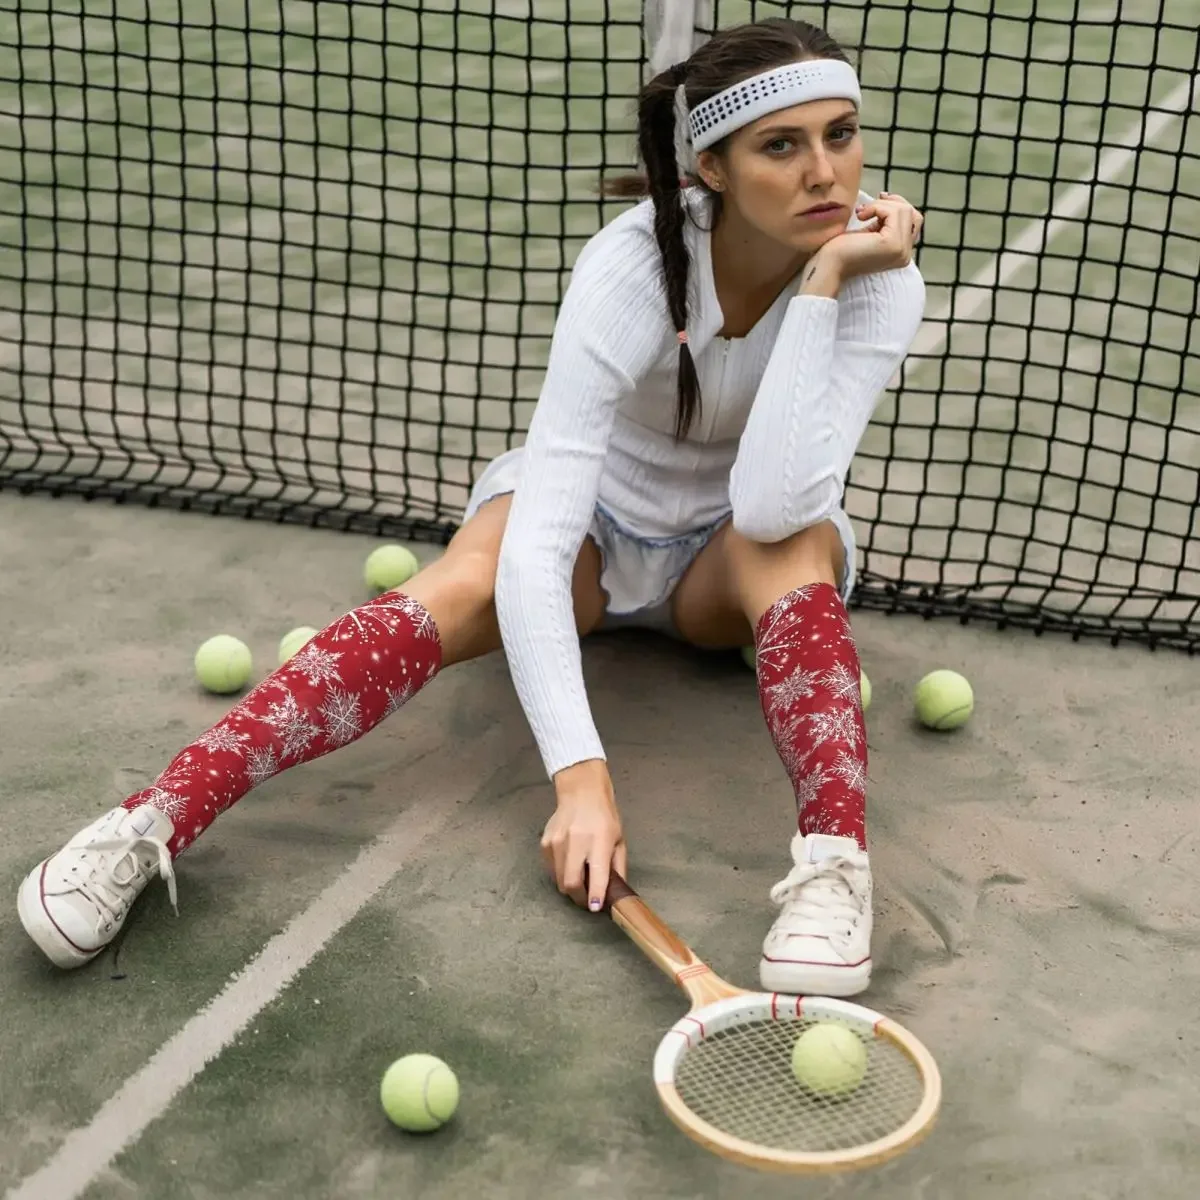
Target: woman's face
column 793, row 175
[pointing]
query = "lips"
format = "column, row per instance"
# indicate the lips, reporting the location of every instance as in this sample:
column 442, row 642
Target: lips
column 818, row 209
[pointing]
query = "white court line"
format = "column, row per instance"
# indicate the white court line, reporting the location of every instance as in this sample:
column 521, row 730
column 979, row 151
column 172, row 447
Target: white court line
column 968, row 300
column 146, row 1094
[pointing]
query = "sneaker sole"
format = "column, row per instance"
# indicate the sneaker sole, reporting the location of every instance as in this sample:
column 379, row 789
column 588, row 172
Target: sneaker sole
column 814, row 979
column 52, row 942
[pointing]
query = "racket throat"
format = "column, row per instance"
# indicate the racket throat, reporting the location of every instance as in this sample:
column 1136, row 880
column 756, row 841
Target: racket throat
column 703, row 985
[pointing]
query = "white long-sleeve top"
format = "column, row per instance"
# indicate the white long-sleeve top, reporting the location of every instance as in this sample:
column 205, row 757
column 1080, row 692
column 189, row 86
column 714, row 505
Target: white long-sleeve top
column 782, row 412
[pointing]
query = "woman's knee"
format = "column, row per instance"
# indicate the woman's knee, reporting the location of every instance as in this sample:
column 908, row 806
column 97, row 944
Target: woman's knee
column 764, row 571
column 816, row 546
column 470, row 572
column 459, row 588
column 461, row 584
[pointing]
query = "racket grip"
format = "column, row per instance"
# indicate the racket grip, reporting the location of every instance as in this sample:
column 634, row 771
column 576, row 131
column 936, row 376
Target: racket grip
column 618, row 889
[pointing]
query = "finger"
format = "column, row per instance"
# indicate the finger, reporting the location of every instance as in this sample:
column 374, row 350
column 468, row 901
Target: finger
column 621, row 860
column 599, row 858
column 883, row 212
column 897, row 222
column 560, row 851
column 902, row 211
column 571, row 881
column 548, row 860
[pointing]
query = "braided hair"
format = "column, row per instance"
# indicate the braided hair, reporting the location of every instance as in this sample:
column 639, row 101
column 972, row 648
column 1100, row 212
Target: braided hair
column 730, row 56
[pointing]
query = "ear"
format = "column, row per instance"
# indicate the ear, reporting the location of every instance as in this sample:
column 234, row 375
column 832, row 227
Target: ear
column 709, row 169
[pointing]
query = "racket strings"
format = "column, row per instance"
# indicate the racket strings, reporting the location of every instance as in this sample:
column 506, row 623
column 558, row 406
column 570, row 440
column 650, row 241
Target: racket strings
column 740, row 1080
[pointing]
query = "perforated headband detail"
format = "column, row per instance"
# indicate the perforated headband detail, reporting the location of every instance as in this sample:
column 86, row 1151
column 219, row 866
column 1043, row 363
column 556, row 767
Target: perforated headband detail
column 781, row 87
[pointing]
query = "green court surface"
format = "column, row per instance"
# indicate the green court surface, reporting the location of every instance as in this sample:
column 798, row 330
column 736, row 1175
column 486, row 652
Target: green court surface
column 1035, row 880
column 305, row 305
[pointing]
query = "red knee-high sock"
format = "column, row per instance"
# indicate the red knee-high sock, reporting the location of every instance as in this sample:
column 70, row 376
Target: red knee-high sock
column 808, row 682
column 340, row 685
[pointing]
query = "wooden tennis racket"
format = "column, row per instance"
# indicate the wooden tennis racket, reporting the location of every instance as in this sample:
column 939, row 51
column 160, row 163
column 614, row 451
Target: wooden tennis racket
column 724, row 1071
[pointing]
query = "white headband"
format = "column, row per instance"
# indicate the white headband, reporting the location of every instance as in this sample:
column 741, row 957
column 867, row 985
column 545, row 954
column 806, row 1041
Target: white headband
column 781, row 87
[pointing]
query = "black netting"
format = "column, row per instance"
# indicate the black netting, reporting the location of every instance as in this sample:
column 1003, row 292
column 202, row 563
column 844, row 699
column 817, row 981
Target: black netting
column 301, row 261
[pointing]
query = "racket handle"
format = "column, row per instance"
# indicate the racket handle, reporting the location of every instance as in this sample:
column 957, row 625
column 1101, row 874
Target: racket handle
column 661, row 944
column 656, row 938
column 618, row 888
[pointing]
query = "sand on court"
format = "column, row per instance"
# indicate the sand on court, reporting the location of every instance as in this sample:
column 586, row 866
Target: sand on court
column 1036, row 877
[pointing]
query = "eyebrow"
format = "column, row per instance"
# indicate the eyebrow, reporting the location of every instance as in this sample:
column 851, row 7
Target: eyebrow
column 849, row 114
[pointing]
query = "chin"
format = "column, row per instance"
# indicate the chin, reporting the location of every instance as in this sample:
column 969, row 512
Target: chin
column 827, row 235
column 810, row 243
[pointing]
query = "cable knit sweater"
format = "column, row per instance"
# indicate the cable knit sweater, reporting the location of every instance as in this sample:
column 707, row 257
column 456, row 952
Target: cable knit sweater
column 783, row 410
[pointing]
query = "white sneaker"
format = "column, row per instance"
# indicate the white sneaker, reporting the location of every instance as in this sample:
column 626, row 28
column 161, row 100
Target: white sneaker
column 820, row 944
column 75, row 902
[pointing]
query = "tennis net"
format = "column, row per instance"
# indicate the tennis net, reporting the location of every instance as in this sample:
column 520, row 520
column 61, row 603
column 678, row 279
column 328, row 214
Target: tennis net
column 301, row 262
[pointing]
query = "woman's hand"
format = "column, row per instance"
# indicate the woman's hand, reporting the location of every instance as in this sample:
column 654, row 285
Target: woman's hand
column 585, row 830
column 887, row 243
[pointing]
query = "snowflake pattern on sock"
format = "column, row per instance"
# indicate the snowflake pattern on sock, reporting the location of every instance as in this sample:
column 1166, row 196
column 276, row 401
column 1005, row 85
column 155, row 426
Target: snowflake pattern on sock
column 348, row 677
column 221, row 737
column 261, row 764
column 839, row 724
column 167, row 803
column 798, row 685
column 808, row 785
column 316, row 665
column 292, row 724
column 343, row 718
column 851, row 771
column 843, row 683
column 809, row 686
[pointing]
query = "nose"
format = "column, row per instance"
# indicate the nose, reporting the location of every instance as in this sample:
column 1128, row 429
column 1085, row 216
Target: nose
column 819, row 175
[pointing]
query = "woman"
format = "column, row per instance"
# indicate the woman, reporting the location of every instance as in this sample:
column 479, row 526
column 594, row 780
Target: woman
column 715, row 361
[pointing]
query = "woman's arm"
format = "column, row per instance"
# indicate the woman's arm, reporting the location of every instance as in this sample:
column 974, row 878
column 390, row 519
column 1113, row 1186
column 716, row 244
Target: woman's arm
column 859, row 305
column 830, row 364
column 608, row 333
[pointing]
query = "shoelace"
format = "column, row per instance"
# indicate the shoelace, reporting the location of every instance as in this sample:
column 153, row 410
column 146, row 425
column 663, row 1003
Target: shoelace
column 814, row 895
column 114, row 904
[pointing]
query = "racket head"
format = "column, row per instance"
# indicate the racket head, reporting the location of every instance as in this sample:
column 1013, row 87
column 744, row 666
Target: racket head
column 724, row 1076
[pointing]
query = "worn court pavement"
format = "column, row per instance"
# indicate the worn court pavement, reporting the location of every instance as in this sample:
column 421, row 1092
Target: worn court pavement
column 1037, row 921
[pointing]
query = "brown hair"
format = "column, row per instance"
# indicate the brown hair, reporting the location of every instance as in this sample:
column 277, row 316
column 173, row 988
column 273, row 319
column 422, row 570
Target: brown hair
column 730, row 56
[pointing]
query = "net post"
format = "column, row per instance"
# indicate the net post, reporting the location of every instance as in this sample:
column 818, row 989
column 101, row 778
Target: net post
column 670, row 34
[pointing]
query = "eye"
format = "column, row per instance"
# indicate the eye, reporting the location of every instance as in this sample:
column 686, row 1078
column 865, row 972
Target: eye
column 778, row 145
column 843, row 133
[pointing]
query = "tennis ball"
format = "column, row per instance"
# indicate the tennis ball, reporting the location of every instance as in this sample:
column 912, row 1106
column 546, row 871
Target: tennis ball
column 829, row 1059
column 223, row 664
column 943, row 700
column 389, row 566
column 419, row 1093
column 292, row 643
column 749, row 657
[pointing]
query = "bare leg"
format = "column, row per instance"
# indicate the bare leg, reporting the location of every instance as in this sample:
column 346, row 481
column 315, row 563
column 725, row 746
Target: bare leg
column 346, row 679
column 733, row 581
column 783, row 597
column 458, row 589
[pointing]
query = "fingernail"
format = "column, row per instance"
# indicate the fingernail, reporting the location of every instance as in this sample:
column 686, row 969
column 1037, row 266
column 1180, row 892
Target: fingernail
column 594, row 905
